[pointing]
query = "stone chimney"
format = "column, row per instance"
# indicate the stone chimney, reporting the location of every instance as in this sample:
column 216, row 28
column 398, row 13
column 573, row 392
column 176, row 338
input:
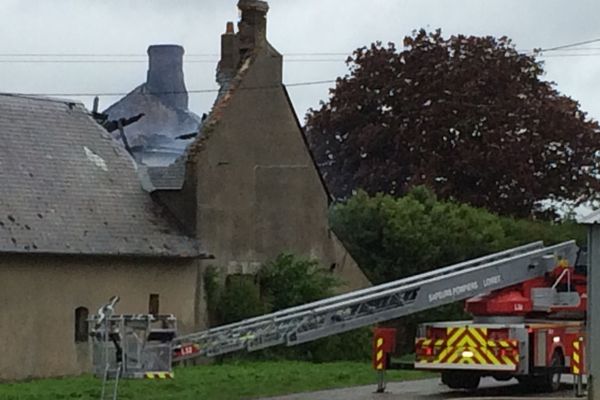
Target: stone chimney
column 253, row 25
column 230, row 51
column 165, row 75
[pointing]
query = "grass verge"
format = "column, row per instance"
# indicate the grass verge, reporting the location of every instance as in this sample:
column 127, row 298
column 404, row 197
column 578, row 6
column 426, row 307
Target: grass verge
column 239, row 380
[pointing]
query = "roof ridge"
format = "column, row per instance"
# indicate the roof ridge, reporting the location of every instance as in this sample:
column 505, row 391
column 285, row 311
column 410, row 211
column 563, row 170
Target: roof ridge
column 42, row 98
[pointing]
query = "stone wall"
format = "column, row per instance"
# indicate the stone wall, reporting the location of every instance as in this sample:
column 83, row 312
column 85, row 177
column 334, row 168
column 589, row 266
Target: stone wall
column 39, row 295
column 257, row 189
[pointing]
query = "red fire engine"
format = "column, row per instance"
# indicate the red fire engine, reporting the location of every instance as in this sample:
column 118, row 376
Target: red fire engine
column 533, row 331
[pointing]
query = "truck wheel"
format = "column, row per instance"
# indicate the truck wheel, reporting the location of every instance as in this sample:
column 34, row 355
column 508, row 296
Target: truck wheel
column 551, row 381
column 460, row 380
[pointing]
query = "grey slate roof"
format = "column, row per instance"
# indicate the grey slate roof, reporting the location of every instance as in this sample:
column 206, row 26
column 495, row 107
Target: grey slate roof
column 67, row 188
column 171, row 177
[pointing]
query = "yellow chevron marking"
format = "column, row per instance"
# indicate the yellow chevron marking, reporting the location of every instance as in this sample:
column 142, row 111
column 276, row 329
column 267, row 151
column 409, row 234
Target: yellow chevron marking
column 456, row 335
column 443, row 353
column 506, row 360
column 379, row 355
column 576, row 345
column 576, row 370
column 475, row 333
column 576, row 357
column 493, row 358
column 379, row 342
column 450, row 331
column 467, row 340
column 380, row 366
column 460, row 339
column 158, row 375
column 453, row 358
column 479, row 357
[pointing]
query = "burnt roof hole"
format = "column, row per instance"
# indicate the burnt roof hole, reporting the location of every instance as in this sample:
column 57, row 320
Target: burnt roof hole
column 27, row 227
column 13, row 240
column 40, row 216
column 11, row 218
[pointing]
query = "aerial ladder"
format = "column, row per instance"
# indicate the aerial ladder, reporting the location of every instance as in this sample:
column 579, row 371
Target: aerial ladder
column 377, row 304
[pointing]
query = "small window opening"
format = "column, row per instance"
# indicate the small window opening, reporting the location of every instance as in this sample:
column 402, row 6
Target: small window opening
column 153, row 304
column 81, row 324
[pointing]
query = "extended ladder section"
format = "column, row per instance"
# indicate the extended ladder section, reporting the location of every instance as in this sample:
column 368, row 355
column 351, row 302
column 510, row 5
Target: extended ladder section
column 380, row 303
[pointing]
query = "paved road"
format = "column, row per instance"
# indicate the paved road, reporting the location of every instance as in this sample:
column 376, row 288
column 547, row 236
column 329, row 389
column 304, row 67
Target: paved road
column 429, row 389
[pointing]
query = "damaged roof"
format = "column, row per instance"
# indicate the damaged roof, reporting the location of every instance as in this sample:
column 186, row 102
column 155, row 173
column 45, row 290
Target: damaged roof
column 67, row 188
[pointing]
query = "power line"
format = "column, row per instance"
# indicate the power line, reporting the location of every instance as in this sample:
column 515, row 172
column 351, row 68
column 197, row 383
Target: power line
column 117, row 55
column 144, row 61
column 581, row 49
column 193, row 91
column 566, row 46
column 569, row 55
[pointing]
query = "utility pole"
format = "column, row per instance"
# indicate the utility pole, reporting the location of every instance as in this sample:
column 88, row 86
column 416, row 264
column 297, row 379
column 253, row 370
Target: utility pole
column 593, row 302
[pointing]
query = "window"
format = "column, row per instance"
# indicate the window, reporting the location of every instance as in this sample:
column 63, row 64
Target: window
column 153, row 304
column 81, row 324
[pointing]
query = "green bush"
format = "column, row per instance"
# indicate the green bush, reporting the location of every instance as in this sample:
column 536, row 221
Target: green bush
column 240, row 299
column 288, row 281
column 392, row 237
column 284, row 282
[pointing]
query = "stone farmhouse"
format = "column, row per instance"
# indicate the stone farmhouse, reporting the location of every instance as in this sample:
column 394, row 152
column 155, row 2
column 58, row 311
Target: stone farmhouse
column 82, row 220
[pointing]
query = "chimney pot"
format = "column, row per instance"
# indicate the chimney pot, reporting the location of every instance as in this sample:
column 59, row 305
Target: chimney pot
column 253, row 5
column 229, row 29
column 253, row 25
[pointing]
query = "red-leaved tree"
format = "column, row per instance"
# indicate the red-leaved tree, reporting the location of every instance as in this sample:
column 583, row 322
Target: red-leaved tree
column 470, row 117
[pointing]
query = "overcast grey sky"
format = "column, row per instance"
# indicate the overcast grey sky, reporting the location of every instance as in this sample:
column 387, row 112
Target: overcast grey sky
column 294, row 26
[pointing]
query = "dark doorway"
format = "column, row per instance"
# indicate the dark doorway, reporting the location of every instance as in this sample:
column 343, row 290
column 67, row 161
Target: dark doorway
column 81, row 324
column 153, row 304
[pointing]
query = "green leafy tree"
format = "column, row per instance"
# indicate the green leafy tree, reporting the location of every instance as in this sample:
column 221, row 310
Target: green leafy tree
column 468, row 116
